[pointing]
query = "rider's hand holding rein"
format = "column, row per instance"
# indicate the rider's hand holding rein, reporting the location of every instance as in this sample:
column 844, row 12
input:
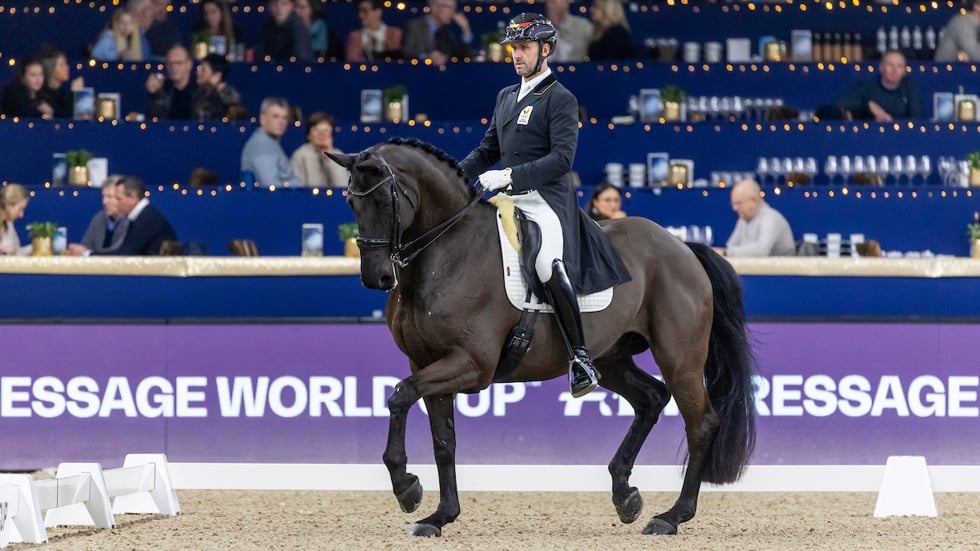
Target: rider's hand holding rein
column 492, row 180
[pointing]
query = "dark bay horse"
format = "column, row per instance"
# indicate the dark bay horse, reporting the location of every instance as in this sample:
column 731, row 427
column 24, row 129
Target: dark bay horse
column 426, row 236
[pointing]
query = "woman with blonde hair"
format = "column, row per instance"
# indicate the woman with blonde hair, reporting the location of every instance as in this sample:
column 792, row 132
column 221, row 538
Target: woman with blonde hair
column 122, row 41
column 611, row 38
column 13, row 202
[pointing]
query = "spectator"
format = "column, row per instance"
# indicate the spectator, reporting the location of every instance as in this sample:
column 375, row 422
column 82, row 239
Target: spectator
column 312, row 167
column 122, row 41
column 214, row 96
column 323, row 40
column 761, row 230
column 173, row 97
column 959, row 40
column 147, row 227
column 432, row 36
column 284, row 35
column 263, row 155
column 162, row 33
column 108, row 227
column 890, row 95
column 22, row 97
column 374, row 40
column 13, row 202
column 574, row 32
column 606, row 203
column 214, row 18
column 611, row 38
column 56, row 74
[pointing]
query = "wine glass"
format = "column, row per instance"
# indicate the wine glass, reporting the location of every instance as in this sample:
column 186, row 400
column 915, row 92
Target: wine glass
column 831, row 168
column 845, row 168
column 871, row 165
column 945, row 168
column 911, row 168
column 925, row 168
column 884, row 168
column 897, row 168
column 762, row 169
column 810, row 168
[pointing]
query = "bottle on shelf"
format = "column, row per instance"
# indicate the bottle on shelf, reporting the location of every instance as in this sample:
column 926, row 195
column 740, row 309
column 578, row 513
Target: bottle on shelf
column 882, row 40
column 917, row 42
column 857, row 48
column 818, row 43
column 846, row 48
column 930, row 42
column 893, row 38
column 836, row 48
column 905, row 38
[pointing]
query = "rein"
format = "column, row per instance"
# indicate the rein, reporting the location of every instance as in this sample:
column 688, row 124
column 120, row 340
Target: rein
column 402, row 254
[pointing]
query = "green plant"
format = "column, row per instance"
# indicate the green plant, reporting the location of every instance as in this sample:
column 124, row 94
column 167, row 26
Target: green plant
column 672, row 93
column 42, row 229
column 78, row 157
column 490, row 37
column 347, row 231
column 974, row 159
column 394, row 93
column 973, row 229
column 201, row 36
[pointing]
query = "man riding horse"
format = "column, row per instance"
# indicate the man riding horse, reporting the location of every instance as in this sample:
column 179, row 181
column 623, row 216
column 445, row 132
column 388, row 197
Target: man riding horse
column 534, row 134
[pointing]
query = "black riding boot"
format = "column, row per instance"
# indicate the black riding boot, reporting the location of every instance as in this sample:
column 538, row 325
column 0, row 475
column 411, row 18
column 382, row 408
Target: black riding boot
column 582, row 375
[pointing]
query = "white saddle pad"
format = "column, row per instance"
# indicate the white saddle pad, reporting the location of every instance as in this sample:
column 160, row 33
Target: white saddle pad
column 517, row 288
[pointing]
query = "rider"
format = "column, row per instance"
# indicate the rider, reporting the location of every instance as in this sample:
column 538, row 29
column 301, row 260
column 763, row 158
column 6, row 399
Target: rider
column 534, row 133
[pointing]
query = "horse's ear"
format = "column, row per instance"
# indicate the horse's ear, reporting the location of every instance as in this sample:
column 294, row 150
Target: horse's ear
column 346, row 161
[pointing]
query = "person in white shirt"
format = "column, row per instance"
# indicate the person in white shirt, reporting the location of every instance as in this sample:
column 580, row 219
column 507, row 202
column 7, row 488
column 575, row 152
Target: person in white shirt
column 13, row 202
column 761, row 230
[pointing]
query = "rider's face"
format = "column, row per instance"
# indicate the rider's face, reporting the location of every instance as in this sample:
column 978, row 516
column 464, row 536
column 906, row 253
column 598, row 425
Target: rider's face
column 525, row 55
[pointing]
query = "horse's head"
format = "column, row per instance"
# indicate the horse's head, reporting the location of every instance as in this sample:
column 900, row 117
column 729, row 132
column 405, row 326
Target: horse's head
column 383, row 208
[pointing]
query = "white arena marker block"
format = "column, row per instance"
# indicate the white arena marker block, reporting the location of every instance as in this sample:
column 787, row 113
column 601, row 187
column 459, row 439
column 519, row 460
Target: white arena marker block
column 905, row 488
column 158, row 498
column 80, row 502
column 23, row 521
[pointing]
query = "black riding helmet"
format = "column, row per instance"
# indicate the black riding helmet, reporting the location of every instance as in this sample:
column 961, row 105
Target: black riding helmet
column 532, row 27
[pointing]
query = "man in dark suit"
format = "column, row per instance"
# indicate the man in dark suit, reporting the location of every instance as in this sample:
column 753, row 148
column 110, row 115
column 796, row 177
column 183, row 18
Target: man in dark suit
column 534, row 133
column 148, row 228
column 432, row 36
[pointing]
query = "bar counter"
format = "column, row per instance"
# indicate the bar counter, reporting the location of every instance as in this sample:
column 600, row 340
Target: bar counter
column 53, row 289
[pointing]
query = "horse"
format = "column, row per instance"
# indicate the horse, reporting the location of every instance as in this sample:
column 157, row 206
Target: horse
column 430, row 239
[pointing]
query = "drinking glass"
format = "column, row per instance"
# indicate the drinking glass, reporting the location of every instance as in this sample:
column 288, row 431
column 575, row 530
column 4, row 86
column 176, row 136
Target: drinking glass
column 845, row 168
column 831, row 168
column 911, row 168
column 925, row 168
column 776, row 169
column 884, row 168
column 810, row 168
column 897, row 168
column 762, row 169
column 858, row 164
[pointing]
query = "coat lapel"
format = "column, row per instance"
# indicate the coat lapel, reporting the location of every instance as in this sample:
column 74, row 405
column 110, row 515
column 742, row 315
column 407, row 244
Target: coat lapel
column 539, row 91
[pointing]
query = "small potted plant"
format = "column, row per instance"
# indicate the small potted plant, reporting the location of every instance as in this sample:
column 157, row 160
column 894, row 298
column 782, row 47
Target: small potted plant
column 396, row 103
column 201, row 42
column 973, row 232
column 493, row 47
column 348, row 234
column 78, row 166
column 673, row 97
column 42, row 234
column 973, row 158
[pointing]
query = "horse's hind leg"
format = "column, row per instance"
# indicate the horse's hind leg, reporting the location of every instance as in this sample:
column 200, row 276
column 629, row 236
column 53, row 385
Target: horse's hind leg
column 648, row 396
column 701, row 424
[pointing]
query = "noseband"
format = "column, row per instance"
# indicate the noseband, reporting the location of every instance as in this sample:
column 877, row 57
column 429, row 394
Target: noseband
column 402, row 254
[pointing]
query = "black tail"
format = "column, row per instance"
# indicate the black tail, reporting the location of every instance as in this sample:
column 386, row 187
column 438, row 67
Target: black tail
column 728, row 372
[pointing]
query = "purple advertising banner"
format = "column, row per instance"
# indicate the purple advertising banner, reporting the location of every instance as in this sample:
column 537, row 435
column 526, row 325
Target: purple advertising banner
column 843, row 393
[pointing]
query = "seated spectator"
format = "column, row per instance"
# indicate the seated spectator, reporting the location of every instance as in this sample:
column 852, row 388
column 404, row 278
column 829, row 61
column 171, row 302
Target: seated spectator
column 323, row 39
column 147, row 227
column 611, row 38
column 56, row 92
column 108, row 227
column 374, row 40
column 890, row 95
column 214, row 96
column 162, row 33
column 960, row 40
column 215, row 18
column 761, row 230
column 606, row 203
column 433, row 37
column 284, row 35
column 263, row 155
column 13, row 203
column 22, row 97
column 574, row 32
column 122, row 41
column 173, row 97
column 312, row 167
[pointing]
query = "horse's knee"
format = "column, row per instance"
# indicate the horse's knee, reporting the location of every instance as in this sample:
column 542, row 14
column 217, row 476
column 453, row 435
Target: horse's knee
column 403, row 397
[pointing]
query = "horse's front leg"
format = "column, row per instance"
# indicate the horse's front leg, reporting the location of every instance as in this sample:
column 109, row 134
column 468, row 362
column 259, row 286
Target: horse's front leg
column 437, row 383
column 444, row 445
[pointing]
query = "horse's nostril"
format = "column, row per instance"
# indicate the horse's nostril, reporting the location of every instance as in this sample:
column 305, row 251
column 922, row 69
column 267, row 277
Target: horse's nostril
column 387, row 282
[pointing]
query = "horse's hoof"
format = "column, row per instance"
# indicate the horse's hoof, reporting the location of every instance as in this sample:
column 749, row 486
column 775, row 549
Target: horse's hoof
column 410, row 499
column 424, row 530
column 660, row 527
column 629, row 510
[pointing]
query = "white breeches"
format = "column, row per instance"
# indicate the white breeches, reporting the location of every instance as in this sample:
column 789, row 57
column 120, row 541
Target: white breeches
column 552, row 241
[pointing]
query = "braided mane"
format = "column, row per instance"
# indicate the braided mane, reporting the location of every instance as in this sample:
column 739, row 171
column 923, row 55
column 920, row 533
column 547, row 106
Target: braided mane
column 431, row 150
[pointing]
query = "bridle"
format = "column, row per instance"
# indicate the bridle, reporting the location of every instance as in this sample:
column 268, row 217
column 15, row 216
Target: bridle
column 402, row 254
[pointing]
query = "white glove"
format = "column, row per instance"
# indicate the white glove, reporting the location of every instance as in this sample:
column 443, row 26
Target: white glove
column 492, row 180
